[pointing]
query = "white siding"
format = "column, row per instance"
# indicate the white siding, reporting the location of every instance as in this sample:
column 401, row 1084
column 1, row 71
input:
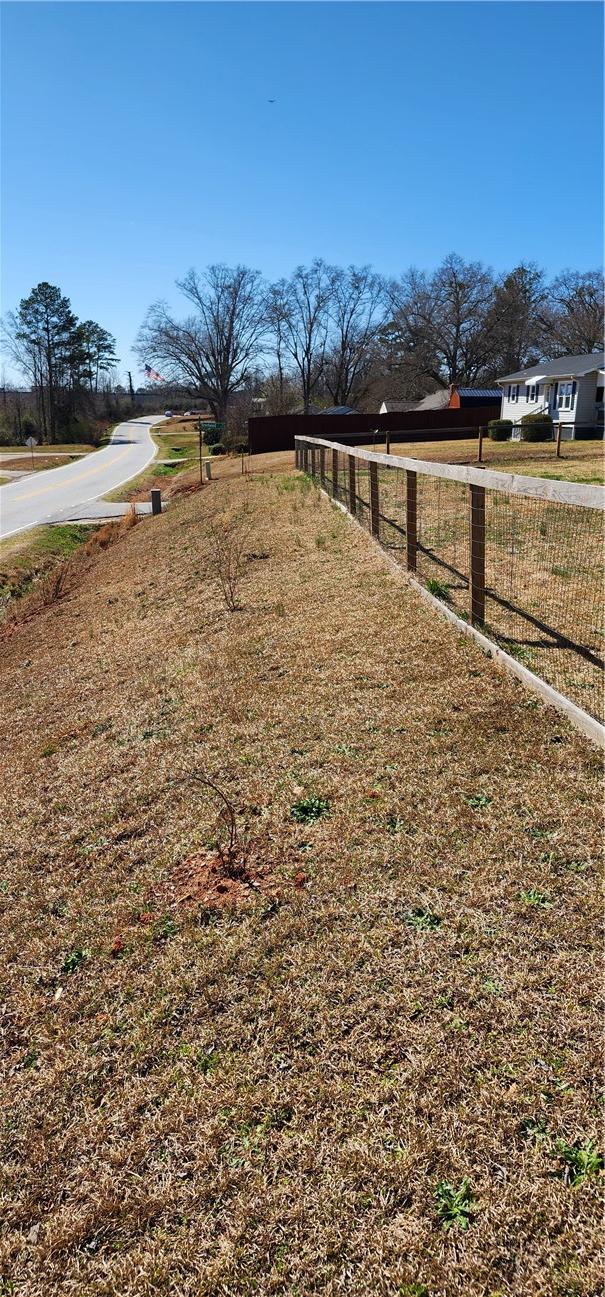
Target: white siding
column 586, row 399
column 516, row 409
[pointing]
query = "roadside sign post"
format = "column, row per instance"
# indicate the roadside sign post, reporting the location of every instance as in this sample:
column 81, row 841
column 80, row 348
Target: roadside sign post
column 31, row 442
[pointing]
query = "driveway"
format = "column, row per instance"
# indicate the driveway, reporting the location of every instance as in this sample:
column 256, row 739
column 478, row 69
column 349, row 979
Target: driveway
column 48, row 494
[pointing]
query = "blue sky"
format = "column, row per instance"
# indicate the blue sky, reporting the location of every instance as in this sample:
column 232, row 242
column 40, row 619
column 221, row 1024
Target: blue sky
column 138, row 141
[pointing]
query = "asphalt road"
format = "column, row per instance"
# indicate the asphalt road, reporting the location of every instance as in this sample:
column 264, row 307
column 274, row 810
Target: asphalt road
column 47, row 494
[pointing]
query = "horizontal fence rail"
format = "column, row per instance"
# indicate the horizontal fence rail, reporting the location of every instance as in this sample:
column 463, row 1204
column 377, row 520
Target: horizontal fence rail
column 518, row 558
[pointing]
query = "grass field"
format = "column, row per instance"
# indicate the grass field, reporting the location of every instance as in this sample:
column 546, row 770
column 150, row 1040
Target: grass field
column 358, row 1052
column 25, row 464
column 66, row 447
column 581, row 461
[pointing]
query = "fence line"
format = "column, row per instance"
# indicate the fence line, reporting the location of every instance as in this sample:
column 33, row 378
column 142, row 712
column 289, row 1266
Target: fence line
column 517, row 559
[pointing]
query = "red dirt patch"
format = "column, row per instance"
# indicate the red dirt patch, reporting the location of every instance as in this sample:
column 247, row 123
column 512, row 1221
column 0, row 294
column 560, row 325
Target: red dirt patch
column 209, row 879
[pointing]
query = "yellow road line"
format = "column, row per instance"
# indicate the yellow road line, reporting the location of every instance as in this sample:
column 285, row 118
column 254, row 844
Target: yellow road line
column 79, row 477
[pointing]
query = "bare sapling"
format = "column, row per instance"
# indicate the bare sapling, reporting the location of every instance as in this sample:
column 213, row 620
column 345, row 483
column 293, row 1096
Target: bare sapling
column 229, row 538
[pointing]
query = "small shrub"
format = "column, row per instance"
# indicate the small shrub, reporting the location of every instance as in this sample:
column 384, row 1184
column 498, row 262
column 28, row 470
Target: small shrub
column 217, row 448
column 538, row 899
column 478, row 801
column 455, row 1206
column 309, row 809
column 578, row 1161
column 229, row 541
column 73, row 960
column 499, row 429
column 536, row 427
column 439, row 590
column 423, row 920
column 54, row 586
column 533, row 1128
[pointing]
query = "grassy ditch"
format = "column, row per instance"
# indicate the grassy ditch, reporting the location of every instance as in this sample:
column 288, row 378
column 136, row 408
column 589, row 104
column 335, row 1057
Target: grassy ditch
column 39, row 566
column 300, row 932
column 30, row 555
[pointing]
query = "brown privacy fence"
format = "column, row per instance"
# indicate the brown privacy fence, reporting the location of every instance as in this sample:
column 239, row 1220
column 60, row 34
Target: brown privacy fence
column 519, row 558
column 278, row 432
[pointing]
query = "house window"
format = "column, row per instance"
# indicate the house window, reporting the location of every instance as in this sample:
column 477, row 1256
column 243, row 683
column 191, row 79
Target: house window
column 566, row 396
column 513, row 391
column 532, row 392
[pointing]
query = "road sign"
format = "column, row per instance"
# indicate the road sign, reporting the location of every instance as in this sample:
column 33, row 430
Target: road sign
column 31, row 442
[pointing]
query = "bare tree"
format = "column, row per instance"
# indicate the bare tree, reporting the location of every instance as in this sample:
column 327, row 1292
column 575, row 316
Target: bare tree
column 573, row 316
column 514, row 323
column 300, row 312
column 444, row 320
column 356, row 307
column 213, row 351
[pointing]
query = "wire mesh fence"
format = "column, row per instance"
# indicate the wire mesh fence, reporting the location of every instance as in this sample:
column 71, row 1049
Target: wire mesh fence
column 521, row 559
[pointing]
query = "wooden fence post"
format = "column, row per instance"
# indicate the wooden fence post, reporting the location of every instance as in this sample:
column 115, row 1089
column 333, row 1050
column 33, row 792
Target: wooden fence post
column 322, row 465
column 313, row 462
column 156, row 501
column 388, row 441
column 411, row 520
column 480, row 446
column 477, row 554
column 559, row 426
column 335, row 474
column 374, row 500
column 352, row 487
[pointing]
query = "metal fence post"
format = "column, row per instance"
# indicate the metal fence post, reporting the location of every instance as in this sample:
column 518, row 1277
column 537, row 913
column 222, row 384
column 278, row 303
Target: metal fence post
column 477, row 554
column 335, row 474
column 411, row 521
column 352, row 487
column 374, row 500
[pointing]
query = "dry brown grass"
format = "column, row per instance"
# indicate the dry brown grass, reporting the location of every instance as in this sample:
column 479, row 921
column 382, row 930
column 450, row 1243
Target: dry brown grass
column 262, row 1099
column 581, row 461
column 25, row 464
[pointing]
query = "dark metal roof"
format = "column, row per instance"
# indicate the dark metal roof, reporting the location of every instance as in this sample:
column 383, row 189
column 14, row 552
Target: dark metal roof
column 338, row 409
column 493, row 393
column 562, row 367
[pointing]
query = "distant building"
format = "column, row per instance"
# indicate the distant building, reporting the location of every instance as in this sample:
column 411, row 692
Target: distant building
column 569, row 389
column 452, row 398
column 463, row 398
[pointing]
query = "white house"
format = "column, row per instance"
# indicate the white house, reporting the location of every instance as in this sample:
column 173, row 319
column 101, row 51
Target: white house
column 570, row 389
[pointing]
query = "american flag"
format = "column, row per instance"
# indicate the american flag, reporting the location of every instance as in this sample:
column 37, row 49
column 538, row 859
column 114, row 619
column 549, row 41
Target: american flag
column 153, row 373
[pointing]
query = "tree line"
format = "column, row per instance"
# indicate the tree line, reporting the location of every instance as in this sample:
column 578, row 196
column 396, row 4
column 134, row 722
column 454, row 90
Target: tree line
column 64, row 360
column 349, row 336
